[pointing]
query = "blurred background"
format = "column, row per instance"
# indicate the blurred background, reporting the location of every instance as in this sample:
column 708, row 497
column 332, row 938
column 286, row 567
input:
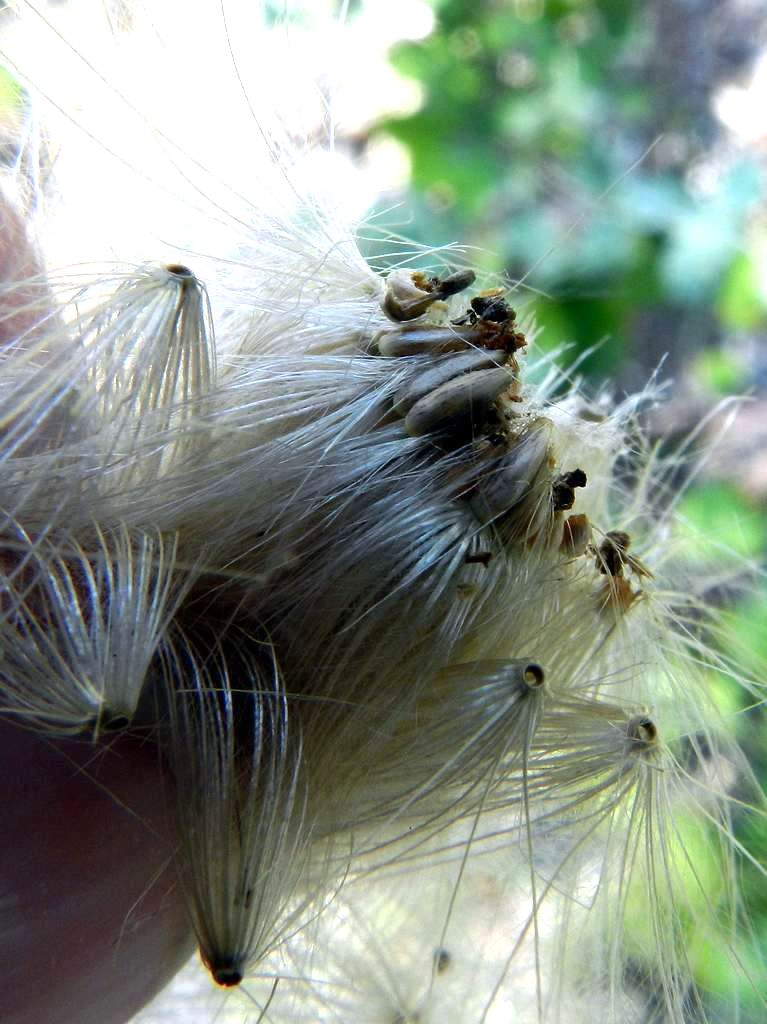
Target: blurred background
column 608, row 158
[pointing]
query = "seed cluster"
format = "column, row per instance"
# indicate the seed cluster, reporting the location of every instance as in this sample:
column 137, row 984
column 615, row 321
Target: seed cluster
column 384, row 610
column 466, row 393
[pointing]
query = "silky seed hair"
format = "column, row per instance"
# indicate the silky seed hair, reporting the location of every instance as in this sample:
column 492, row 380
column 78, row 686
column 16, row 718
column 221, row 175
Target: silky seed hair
column 379, row 952
column 88, row 621
column 241, row 807
column 463, row 738
column 132, row 358
column 632, row 813
column 396, row 605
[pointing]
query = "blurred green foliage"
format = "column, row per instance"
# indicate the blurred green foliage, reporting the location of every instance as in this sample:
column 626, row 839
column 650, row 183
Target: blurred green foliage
column 539, row 142
column 719, row 523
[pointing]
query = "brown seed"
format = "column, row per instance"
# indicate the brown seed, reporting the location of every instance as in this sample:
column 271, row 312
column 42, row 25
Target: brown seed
column 616, row 595
column 611, row 556
column 226, row 973
column 576, row 536
column 443, row 370
column 512, row 478
column 409, row 293
column 454, row 283
column 493, row 308
column 460, row 405
column 417, row 339
column 563, row 489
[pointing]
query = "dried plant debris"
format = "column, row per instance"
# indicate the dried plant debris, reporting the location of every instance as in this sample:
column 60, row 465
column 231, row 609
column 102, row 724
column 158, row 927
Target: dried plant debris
column 411, row 293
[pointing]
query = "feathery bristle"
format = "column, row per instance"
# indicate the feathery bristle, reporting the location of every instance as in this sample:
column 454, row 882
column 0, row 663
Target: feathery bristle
column 242, row 807
column 399, row 612
column 82, row 621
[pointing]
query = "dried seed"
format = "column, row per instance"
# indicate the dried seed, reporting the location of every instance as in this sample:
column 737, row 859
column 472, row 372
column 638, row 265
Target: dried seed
column 455, row 282
column 513, row 476
column 109, row 721
column 613, row 556
column 461, row 403
column 415, row 340
column 576, row 536
column 642, row 735
column 226, row 973
column 493, row 308
column 443, row 370
column 533, row 676
column 409, row 293
column 642, row 730
column 616, row 595
column 563, row 489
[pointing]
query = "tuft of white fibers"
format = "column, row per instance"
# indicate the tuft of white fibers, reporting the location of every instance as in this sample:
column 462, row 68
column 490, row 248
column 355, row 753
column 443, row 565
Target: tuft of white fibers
column 242, row 808
column 399, row 610
column 81, row 625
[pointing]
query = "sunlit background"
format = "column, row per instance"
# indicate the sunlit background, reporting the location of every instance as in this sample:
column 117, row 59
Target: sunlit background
column 606, row 157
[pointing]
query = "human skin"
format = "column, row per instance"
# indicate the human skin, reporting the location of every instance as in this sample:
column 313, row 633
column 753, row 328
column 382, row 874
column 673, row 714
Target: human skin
column 25, row 290
column 92, row 917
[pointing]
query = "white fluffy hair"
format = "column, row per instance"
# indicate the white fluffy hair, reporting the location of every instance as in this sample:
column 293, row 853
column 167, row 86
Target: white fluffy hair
column 399, row 608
